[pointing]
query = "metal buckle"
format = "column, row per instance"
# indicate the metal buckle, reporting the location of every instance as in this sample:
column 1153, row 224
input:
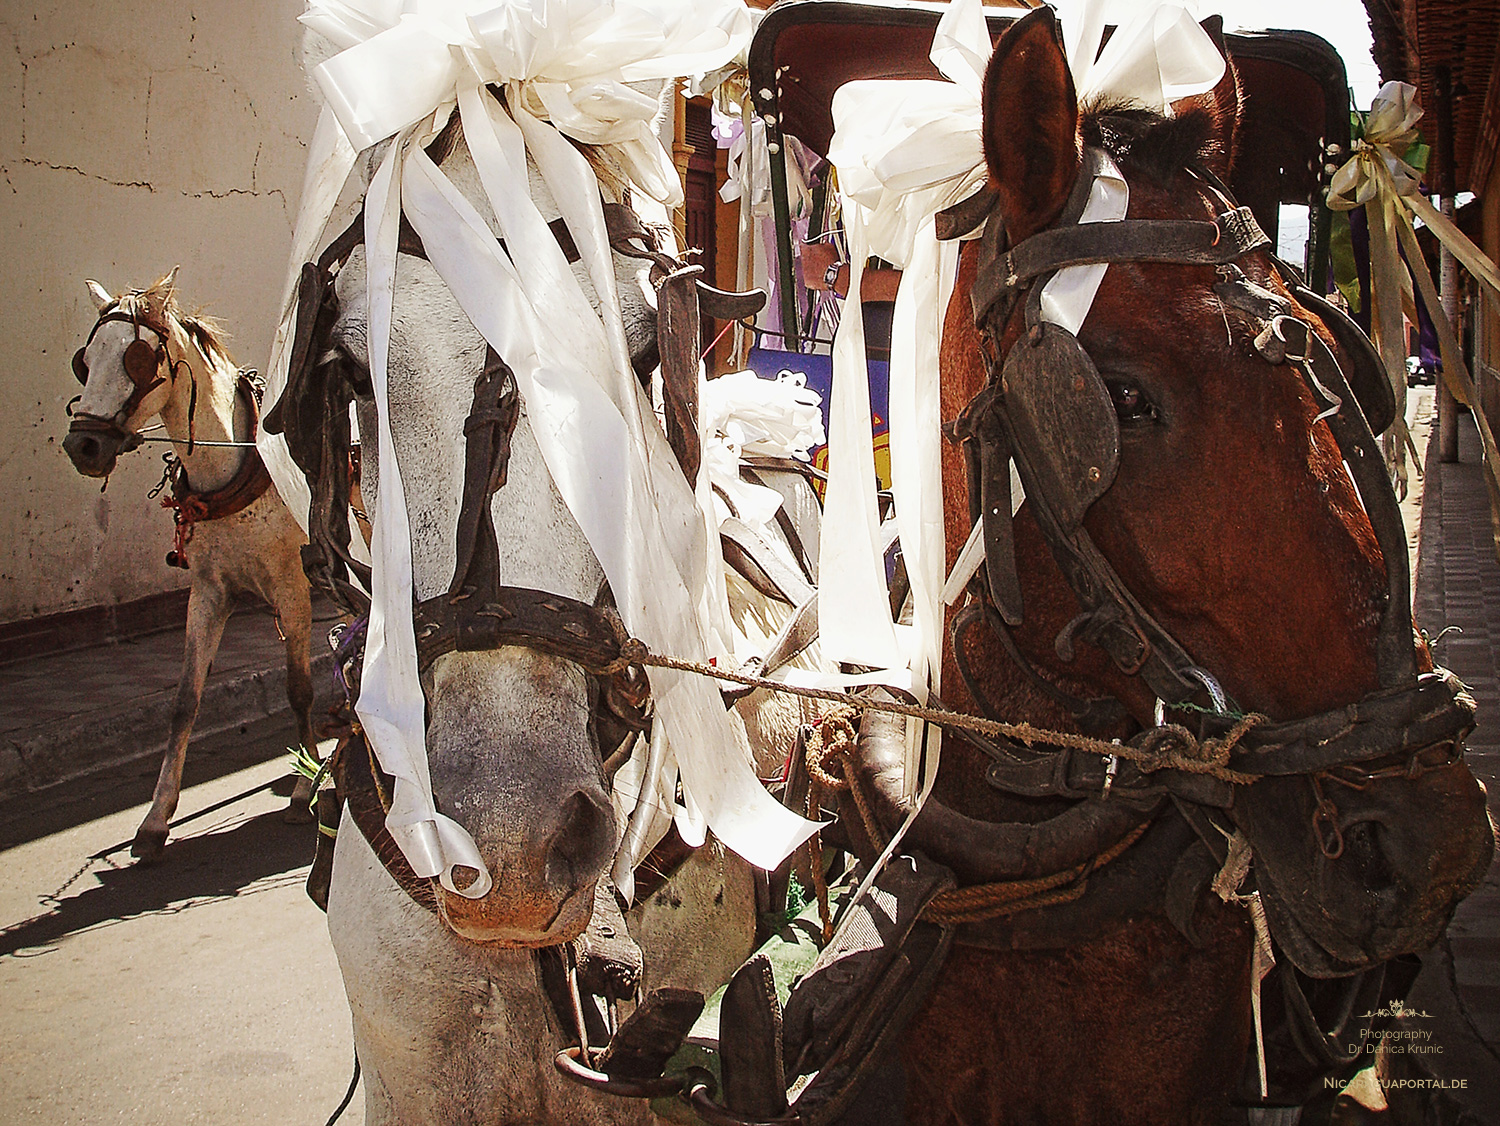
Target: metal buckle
column 1110, row 771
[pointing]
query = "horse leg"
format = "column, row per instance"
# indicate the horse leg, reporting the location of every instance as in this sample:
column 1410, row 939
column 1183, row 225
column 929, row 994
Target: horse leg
column 208, row 610
column 294, row 610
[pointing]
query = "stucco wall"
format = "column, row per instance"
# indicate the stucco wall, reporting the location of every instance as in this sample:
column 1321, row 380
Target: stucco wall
column 134, row 137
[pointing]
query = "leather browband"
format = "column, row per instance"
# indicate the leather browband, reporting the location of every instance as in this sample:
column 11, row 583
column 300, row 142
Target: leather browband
column 1233, row 234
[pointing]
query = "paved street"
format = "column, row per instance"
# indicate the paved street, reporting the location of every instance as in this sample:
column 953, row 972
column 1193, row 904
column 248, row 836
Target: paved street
column 202, row 990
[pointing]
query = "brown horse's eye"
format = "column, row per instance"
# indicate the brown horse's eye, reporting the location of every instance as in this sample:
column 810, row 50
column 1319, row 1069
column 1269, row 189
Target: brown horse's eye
column 1131, row 403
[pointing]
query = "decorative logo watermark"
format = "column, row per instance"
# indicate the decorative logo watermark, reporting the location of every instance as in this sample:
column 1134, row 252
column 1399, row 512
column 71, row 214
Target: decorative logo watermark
column 1333, row 1083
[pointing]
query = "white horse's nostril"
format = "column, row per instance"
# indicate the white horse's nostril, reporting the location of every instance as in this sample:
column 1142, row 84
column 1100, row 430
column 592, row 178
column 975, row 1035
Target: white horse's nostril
column 463, row 876
column 583, row 844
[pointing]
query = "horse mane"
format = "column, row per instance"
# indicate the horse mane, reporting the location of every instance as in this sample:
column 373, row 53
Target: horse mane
column 159, row 300
column 1147, row 142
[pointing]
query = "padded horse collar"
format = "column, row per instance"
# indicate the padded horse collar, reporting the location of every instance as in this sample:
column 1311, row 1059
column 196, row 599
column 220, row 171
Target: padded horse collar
column 248, row 484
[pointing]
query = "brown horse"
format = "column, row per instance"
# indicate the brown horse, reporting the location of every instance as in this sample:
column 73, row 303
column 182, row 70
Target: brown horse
column 1234, row 526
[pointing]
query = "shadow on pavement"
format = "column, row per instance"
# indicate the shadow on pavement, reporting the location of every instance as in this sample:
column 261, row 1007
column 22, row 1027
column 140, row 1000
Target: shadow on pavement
column 212, row 865
column 29, row 817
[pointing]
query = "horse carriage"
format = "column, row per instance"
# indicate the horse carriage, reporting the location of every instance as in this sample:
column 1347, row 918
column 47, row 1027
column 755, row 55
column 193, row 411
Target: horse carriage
column 1148, row 791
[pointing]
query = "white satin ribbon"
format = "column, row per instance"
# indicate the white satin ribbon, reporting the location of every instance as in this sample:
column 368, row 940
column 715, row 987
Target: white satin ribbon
column 745, row 414
column 571, row 60
column 329, row 160
column 1157, row 54
column 905, row 150
column 565, row 64
column 391, row 705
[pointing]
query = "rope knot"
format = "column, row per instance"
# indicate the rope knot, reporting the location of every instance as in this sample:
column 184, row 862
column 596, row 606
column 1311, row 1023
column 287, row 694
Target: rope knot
column 633, row 651
column 1173, row 747
column 835, row 737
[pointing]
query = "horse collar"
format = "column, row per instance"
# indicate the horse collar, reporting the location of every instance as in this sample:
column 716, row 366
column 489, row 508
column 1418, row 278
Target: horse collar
column 248, row 485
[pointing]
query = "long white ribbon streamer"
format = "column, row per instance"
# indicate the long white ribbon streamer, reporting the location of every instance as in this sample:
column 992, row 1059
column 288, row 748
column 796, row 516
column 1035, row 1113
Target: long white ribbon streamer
column 390, row 705
column 565, row 64
column 329, row 160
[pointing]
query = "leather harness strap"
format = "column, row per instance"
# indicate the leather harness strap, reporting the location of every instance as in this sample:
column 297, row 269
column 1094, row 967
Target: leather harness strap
column 250, row 481
column 1234, row 234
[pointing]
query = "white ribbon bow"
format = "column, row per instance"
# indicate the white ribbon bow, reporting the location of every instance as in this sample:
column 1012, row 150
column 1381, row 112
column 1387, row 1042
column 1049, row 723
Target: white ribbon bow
column 568, row 62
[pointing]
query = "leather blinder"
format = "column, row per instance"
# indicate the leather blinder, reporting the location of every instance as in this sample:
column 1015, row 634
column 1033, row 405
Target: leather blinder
column 1062, row 420
column 141, row 362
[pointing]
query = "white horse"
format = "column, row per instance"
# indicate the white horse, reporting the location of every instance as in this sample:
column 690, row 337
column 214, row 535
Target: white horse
column 144, row 358
column 451, row 1023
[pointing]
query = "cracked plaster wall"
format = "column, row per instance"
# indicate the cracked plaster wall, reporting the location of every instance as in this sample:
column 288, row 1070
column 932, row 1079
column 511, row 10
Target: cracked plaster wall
column 134, row 137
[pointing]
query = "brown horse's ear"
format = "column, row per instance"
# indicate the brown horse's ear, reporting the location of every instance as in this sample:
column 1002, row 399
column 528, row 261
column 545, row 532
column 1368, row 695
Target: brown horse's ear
column 1222, row 104
column 1031, row 124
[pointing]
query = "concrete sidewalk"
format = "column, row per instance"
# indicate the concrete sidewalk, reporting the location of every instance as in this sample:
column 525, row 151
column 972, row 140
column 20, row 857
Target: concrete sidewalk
column 1456, row 997
column 69, row 714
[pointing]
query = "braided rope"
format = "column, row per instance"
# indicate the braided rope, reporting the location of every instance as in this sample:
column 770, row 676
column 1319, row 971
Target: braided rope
column 1005, row 897
column 1170, row 747
column 835, row 737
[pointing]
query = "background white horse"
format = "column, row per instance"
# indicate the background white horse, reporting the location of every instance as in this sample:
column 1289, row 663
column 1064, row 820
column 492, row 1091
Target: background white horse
column 145, row 358
column 451, row 1022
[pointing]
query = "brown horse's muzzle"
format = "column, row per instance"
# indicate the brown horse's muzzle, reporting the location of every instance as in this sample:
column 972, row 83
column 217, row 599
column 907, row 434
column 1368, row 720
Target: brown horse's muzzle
column 1378, row 874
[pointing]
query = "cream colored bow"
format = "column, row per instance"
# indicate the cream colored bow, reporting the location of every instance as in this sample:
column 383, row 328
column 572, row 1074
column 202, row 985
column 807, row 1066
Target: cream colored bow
column 567, row 61
column 1390, row 130
column 1376, row 178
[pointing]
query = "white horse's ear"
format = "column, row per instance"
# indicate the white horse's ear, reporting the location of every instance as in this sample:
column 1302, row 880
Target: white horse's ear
column 100, row 295
column 169, row 283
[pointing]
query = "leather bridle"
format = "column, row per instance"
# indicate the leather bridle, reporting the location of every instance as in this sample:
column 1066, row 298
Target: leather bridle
column 143, row 363
column 1045, row 405
column 477, row 613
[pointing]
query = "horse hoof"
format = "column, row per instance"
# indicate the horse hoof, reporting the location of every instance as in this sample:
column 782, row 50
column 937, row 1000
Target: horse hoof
column 298, row 813
column 149, row 845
